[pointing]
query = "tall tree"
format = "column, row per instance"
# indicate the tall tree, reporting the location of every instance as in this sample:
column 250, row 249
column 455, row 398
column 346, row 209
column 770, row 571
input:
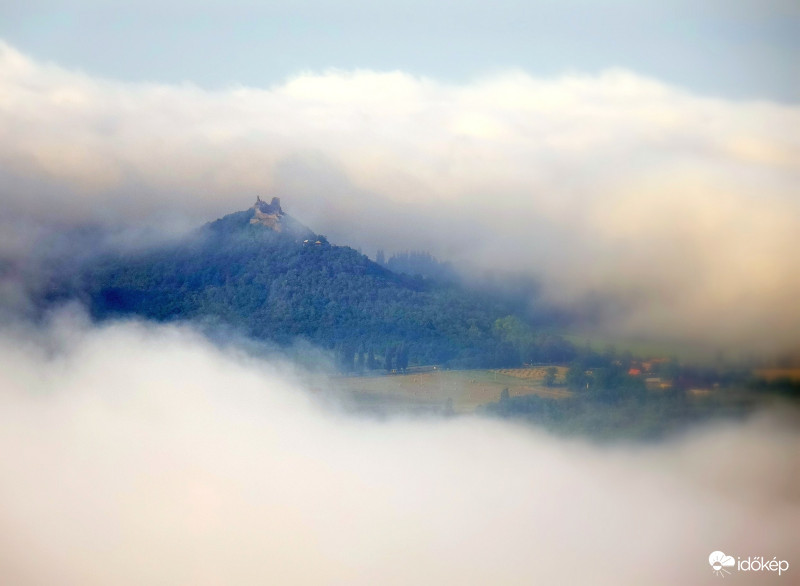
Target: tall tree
column 402, row 356
column 389, row 358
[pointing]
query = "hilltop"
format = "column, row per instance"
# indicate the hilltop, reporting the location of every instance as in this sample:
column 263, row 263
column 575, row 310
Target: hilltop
column 268, row 276
column 262, row 215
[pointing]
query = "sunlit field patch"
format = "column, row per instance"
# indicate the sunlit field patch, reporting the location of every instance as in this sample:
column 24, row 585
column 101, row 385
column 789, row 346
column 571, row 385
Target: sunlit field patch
column 463, row 390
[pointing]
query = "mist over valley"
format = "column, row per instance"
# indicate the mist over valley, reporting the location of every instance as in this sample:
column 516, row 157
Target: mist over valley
column 326, row 294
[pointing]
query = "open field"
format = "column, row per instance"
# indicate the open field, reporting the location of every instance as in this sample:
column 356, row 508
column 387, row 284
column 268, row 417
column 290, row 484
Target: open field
column 536, row 373
column 466, row 389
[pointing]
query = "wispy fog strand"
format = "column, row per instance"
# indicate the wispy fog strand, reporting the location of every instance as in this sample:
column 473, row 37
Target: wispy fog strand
column 141, row 454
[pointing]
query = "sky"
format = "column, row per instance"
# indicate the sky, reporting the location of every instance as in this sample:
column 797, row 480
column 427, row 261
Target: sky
column 737, row 48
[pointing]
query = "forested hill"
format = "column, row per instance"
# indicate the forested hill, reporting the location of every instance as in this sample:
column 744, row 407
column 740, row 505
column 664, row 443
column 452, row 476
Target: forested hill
column 268, row 276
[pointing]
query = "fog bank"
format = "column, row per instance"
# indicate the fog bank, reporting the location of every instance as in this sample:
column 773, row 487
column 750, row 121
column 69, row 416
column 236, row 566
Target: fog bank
column 142, row 454
column 677, row 212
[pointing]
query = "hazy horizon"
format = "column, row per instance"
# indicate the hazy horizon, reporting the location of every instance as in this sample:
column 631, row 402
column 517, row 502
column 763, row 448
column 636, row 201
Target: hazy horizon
column 170, row 415
column 678, row 211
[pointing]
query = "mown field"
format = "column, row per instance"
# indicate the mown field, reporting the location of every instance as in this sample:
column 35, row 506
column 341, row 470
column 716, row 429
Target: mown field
column 461, row 390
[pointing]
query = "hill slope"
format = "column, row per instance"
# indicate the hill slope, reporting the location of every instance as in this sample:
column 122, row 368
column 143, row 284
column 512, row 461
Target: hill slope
column 264, row 273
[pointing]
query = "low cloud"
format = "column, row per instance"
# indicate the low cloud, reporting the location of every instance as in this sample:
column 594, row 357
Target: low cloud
column 143, row 454
column 678, row 212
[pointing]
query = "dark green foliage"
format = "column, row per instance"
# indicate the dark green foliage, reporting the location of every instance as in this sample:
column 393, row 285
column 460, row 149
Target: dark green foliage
column 517, row 343
column 608, row 403
column 388, row 359
column 577, row 378
column 603, row 378
column 420, row 263
column 402, row 357
column 280, row 286
column 630, row 417
column 358, row 366
column 346, row 357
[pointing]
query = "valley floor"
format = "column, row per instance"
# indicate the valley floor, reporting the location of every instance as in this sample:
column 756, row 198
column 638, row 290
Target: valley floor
column 459, row 391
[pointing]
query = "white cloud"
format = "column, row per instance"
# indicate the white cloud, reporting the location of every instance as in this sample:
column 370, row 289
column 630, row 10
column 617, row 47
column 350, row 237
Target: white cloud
column 682, row 209
column 140, row 454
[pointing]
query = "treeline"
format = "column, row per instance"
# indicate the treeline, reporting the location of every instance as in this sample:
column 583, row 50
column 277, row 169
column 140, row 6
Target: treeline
column 277, row 287
column 609, row 402
column 417, row 263
column 394, row 359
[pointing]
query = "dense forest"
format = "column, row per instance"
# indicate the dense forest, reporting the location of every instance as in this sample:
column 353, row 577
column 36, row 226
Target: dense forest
column 288, row 284
column 419, row 263
column 269, row 278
